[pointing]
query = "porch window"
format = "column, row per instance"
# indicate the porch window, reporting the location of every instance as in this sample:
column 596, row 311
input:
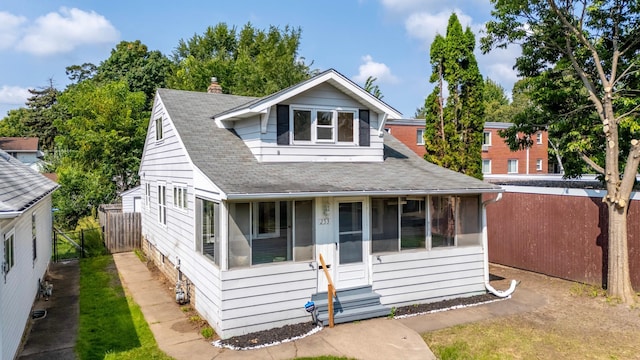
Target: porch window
column 208, row 225
column 398, row 223
column 455, row 221
column 323, row 125
column 270, row 231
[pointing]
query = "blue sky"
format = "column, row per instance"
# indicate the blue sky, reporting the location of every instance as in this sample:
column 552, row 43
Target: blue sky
column 387, row 39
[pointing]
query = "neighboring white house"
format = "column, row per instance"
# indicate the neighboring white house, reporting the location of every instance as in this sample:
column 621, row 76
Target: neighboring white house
column 132, row 200
column 25, row 149
column 242, row 195
column 25, row 232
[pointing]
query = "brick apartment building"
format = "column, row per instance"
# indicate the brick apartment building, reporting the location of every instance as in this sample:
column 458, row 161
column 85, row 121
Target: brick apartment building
column 497, row 158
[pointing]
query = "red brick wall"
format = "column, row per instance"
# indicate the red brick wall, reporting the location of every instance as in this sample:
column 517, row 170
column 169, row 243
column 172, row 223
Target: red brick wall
column 408, row 135
column 499, row 154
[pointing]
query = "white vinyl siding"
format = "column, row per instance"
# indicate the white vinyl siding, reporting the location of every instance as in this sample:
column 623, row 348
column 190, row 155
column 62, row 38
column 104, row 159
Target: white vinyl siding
column 265, row 148
column 428, row 276
column 266, row 297
column 18, row 290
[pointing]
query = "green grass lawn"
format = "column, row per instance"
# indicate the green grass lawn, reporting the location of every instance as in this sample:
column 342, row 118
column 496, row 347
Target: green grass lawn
column 111, row 324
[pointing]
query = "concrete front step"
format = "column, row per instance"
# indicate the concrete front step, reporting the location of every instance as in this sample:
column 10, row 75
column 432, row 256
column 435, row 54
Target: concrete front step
column 354, row 314
column 350, row 305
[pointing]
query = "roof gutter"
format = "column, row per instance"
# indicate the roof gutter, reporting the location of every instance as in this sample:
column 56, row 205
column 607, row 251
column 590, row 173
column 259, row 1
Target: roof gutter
column 16, row 213
column 308, row 194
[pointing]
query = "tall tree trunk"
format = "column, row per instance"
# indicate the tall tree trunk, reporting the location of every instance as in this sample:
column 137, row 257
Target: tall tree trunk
column 618, row 279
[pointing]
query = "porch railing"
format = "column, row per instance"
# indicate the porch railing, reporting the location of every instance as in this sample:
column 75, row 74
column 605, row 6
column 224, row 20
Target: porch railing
column 331, row 290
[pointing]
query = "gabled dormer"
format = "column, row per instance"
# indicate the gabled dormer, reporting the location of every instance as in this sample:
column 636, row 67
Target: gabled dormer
column 327, row 118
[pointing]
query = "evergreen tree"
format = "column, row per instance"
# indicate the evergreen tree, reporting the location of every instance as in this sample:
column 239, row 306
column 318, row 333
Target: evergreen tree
column 41, row 115
column 454, row 126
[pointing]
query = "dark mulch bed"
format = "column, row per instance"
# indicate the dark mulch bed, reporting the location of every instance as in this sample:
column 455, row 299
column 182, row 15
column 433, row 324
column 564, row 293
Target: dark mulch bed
column 289, row 332
column 266, row 337
column 445, row 304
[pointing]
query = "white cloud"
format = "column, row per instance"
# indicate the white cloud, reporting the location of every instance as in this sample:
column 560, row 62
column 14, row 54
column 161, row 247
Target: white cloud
column 498, row 66
column 10, row 29
column 378, row 70
column 13, row 95
column 424, row 26
column 63, row 31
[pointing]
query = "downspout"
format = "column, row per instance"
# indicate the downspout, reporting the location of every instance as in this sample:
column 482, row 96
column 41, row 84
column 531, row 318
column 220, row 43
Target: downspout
column 485, row 245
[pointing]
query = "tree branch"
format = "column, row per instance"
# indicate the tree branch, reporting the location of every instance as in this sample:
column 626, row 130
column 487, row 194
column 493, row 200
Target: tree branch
column 585, row 79
column 582, row 39
column 592, row 163
column 635, row 108
column 630, row 172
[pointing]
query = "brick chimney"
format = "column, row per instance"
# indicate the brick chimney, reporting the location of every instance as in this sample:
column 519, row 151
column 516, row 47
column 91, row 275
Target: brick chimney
column 214, row 88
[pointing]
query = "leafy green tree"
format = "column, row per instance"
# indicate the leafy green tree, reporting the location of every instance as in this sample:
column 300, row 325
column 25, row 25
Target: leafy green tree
column 252, row 62
column 372, row 88
column 101, row 135
column 13, row 124
column 496, row 104
column 583, row 57
column 454, row 128
column 142, row 69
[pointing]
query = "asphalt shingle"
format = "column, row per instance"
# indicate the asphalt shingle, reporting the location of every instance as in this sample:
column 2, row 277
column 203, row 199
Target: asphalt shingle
column 228, row 162
column 20, row 186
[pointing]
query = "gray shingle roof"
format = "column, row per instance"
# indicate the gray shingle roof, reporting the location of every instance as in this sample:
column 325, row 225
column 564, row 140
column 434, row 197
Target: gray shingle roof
column 20, row 186
column 224, row 158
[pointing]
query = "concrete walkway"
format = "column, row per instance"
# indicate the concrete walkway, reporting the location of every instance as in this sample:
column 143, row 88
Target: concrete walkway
column 54, row 336
column 372, row 339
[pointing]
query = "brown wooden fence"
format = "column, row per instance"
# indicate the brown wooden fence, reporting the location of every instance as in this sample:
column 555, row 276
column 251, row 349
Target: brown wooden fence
column 122, row 231
column 559, row 235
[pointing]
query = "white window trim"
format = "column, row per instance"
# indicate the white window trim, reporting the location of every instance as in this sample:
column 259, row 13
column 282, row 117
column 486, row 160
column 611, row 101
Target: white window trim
column 159, row 129
column 6, row 267
column 508, row 162
column 483, row 138
column 162, row 207
column 147, row 195
column 488, row 162
column 539, row 140
column 180, row 197
column 420, row 139
column 314, row 127
column 539, row 165
column 256, row 221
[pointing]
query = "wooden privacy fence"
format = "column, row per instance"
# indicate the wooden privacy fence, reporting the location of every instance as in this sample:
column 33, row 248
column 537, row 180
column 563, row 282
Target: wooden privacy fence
column 122, row 231
column 558, row 232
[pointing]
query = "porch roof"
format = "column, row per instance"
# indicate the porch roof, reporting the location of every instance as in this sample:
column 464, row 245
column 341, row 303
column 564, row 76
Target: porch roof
column 222, row 156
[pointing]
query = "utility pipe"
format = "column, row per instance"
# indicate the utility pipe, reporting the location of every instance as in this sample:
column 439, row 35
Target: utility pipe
column 485, row 245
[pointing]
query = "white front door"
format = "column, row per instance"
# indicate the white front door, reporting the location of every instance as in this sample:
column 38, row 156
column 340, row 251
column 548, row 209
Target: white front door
column 352, row 252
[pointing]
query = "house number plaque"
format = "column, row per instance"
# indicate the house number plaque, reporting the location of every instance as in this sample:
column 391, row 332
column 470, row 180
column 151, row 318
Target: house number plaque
column 324, row 221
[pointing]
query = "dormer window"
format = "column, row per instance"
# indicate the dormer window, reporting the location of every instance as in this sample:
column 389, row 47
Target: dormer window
column 323, row 125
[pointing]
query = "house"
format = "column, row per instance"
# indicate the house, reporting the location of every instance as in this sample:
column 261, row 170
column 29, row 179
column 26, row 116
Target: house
column 25, row 231
column 132, row 200
column 497, row 158
column 243, row 195
column 25, row 149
